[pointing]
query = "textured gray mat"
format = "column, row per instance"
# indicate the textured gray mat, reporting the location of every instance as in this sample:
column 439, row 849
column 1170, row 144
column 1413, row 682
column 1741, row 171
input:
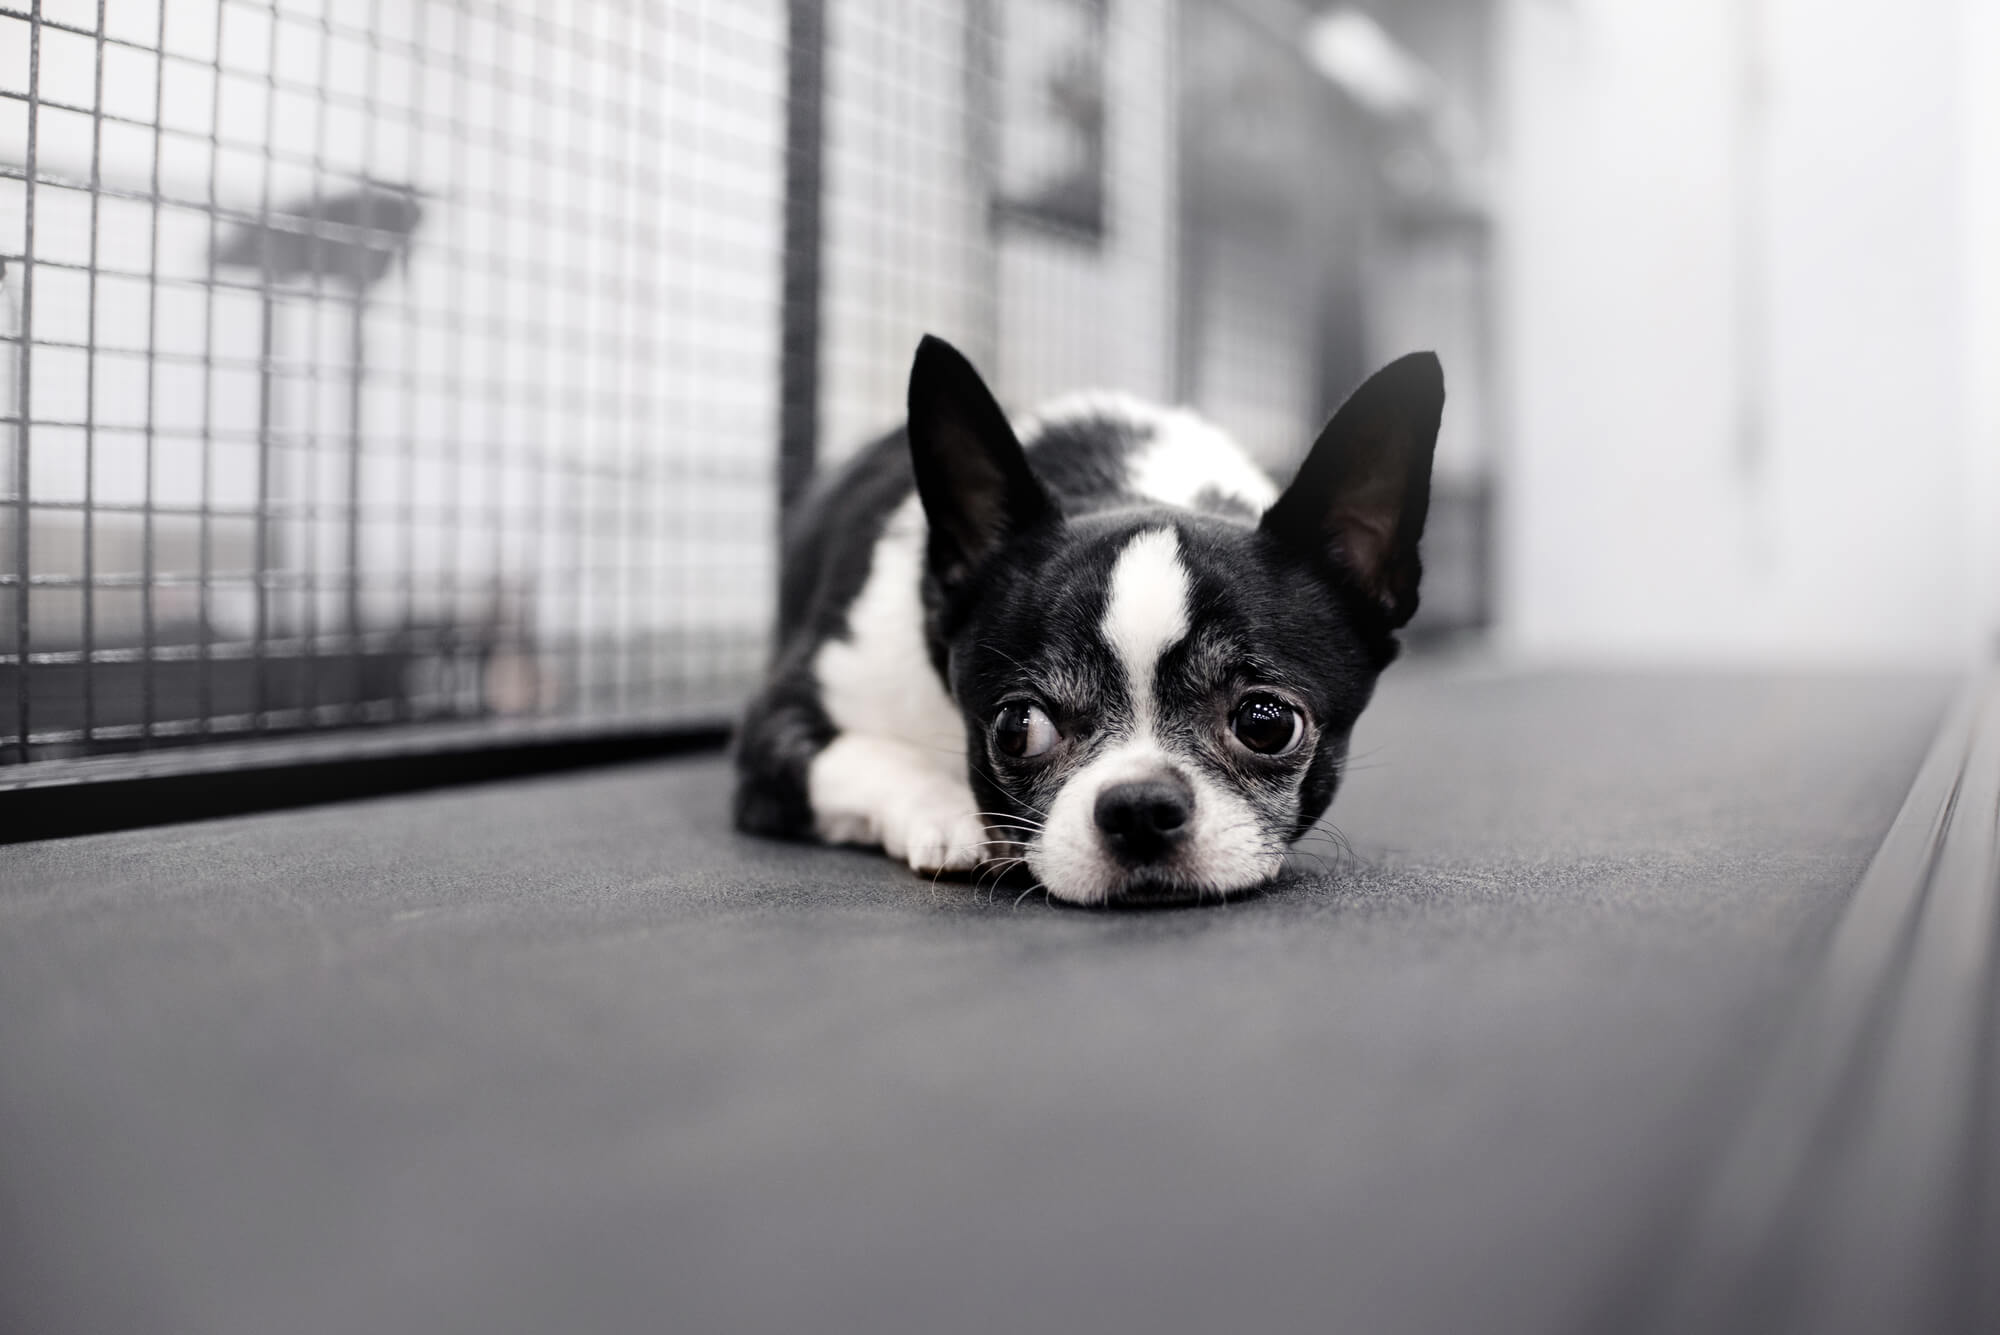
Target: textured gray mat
column 567, row 1053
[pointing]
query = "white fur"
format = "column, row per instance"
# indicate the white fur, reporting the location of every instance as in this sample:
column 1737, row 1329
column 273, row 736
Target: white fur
column 1146, row 614
column 879, row 679
column 1189, row 455
column 877, row 790
column 896, row 774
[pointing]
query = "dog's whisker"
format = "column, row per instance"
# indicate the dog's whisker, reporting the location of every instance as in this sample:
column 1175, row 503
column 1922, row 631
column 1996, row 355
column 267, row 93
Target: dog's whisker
column 997, row 871
column 991, row 883
column 1030, row 806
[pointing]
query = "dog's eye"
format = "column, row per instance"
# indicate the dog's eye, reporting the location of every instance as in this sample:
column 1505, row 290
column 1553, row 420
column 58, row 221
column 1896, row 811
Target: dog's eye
column 1268, row 726
column 1023, row 731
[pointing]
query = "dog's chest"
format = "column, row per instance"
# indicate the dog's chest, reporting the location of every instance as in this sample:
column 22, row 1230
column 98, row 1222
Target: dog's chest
column 879, row 680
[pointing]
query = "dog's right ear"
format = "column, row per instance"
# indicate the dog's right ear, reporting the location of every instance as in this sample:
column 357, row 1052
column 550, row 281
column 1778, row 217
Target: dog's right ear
column 974, row 478
column 1363, row 491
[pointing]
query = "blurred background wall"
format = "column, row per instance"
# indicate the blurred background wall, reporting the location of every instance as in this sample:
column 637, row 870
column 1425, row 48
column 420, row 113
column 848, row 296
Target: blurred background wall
column 1748, row 328
column 376, row 362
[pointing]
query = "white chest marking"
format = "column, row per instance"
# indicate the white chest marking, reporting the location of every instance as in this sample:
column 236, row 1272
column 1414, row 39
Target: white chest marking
column 895, row 775
column 1146, row 614
column 879, row 680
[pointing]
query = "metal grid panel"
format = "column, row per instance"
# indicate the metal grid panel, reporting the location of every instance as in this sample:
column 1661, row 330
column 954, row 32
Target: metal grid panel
column 376, row 361
column 946, row 207
column 1084, row 307
column 907, row 248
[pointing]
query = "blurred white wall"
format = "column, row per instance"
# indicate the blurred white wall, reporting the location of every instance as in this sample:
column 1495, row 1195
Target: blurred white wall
column 1980, row 78
column 1748, row 321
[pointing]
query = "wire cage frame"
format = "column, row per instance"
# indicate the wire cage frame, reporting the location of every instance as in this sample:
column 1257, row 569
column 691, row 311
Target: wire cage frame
column 381, row 363
column 452, row 362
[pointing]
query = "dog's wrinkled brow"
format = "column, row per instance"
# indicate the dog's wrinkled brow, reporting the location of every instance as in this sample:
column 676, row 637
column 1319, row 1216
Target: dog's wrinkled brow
column 1217, row 660
column 1069, row 687
column 1214, row 659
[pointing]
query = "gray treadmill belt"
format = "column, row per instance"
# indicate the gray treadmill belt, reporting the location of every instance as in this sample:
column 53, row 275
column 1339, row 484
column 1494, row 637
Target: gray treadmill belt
column 567, row 1053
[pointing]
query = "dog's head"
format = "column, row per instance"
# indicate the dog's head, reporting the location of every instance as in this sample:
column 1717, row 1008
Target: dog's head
column 1157, row 701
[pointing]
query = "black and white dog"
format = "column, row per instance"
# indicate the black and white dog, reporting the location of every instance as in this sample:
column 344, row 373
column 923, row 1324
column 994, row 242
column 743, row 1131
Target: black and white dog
column 1103, row 643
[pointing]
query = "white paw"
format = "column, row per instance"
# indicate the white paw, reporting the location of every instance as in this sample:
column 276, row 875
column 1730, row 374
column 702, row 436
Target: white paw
column 937, row 838
column 872, row 790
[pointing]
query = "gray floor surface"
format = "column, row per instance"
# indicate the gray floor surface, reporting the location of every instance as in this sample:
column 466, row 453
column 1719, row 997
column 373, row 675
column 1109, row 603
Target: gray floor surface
column 567, row 1053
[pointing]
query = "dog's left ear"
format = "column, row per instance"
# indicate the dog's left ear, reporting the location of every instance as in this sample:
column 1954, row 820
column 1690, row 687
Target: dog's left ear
column 973, row 476
column 1361, row 495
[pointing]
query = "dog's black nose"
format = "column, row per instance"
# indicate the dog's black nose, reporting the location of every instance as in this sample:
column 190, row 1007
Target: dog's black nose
column 1143, row 820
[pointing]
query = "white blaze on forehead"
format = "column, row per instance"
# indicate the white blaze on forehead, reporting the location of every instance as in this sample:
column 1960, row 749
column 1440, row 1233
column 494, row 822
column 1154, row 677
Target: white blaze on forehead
column 1146, row 613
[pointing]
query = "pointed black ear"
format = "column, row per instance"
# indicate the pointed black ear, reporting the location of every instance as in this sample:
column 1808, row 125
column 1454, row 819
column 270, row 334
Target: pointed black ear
column 1362, row 493
column 975, row 482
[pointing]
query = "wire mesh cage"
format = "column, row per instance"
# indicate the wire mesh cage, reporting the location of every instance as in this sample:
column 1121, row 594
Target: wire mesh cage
column 384, row 361
column 399, row 361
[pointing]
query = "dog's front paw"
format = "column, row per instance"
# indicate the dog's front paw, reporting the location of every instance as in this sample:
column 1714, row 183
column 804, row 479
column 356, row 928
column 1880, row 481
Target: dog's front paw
column 875, row 790
column 936, row 836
